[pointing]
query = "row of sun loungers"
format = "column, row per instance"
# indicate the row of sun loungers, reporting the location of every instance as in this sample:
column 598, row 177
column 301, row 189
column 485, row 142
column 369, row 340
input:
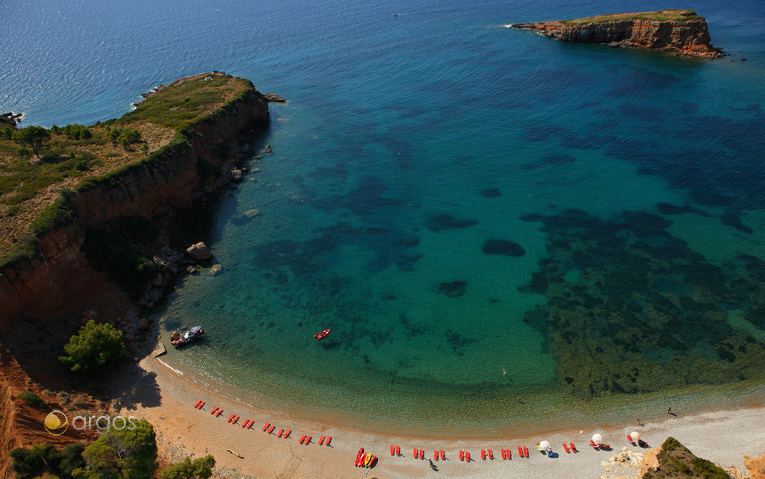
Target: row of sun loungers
column 417, row 453
column 268, row 428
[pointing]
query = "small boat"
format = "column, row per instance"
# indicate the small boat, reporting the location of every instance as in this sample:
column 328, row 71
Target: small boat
column 322, row 334
column 191, row 335
column 358, row 456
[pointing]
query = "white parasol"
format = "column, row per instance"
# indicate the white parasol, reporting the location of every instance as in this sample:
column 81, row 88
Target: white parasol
column 597, row 438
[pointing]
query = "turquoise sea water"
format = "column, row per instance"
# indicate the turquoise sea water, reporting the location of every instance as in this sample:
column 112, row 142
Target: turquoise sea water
column 478, row 213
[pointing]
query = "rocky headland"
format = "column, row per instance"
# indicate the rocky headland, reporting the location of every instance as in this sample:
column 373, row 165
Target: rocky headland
column 54, row 277
column 681, row 32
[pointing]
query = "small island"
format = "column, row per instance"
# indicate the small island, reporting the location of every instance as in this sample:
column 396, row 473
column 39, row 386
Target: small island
column 681, row 32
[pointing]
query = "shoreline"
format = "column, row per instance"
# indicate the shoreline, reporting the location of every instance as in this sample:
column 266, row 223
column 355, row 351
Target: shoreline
column 540, row 411
column 166, row 399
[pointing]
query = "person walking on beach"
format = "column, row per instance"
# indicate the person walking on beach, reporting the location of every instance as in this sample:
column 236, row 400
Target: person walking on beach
column 668, row 410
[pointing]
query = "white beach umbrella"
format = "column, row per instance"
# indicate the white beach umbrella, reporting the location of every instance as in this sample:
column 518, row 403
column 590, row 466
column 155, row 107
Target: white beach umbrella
column 544, row 445
column 635, row 435
column 597, row 438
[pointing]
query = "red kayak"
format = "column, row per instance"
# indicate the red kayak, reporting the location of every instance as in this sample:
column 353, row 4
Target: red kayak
column 322, row 334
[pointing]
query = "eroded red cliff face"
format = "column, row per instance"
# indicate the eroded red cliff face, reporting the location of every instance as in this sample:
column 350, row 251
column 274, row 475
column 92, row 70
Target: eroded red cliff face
column 60, row 280
column 684, row 38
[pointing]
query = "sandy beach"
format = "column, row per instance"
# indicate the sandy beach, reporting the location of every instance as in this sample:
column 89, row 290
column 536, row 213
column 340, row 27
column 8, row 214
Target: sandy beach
column 166, row 399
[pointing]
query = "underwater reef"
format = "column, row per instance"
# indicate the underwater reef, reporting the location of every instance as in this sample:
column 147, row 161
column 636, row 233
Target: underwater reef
column 632, row 309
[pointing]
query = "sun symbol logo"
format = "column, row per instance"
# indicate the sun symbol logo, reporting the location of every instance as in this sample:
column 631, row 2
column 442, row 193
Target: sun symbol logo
column 56, row 423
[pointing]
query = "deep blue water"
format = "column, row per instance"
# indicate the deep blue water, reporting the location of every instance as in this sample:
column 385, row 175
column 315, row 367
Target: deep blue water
column 620, row 184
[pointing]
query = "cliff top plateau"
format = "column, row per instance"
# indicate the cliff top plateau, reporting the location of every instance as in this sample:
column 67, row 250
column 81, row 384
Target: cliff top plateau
column 38, row 164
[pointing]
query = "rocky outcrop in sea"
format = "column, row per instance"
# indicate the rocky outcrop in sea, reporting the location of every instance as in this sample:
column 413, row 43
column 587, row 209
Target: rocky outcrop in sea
column 689, row 38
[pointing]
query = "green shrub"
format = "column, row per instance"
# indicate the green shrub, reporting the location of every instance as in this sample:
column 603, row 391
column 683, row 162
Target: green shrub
column 6, row 132
column 33, row 136
column 12, row 210
column 22, row 153
column 51, row 218
column 96, row 349
column 26, row 463
column 33, row 399
column 126, row 453
column 201, row 468
column 25, row 248
column 42, row 458
column 131, row 134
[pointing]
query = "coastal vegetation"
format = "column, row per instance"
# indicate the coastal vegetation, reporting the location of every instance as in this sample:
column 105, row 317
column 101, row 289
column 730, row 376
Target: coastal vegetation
column 671, row 15
column 200, row 468
column 32, row 399
column 127, row 453
column 77, row 157
column 677, row 462
column 95, row 349
column 43, row 459
column 122, row 453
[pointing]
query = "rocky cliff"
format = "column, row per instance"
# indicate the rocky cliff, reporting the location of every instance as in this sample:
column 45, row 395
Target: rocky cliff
column 58, row 280
column 681, row 32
